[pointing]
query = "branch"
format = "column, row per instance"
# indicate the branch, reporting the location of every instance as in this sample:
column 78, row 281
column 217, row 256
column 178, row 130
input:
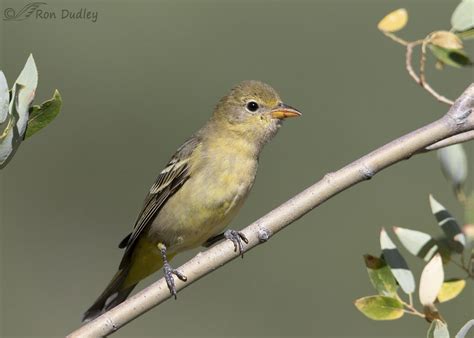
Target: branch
column 459, row 119
column 459, row 138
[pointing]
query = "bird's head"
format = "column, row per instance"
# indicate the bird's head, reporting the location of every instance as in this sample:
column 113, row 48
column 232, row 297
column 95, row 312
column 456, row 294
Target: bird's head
column 254, row 110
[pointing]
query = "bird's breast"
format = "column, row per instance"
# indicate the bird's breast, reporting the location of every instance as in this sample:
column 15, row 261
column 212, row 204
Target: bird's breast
column 209, row 199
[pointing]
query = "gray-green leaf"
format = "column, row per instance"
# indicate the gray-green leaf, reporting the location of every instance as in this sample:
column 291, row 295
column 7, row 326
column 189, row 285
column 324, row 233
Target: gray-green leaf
column 397, row 263
column 438, row 329
column 28, row 80
column 463, row 16
column 454, row 164
column 417, row 243
column 9, row 136
column 41, row 116
column 4, row 98
column 449, row 225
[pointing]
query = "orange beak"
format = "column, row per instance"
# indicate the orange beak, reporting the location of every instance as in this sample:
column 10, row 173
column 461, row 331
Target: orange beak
column 283, row 111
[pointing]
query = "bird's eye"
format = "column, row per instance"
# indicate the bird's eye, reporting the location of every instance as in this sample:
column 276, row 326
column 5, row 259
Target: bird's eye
column 252, row 106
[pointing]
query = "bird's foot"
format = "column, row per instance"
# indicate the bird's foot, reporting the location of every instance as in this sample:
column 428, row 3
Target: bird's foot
column 237, row 238
column 169, row 271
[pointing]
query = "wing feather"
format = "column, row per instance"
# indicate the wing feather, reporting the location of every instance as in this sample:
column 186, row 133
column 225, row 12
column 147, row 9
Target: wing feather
column 167, row 183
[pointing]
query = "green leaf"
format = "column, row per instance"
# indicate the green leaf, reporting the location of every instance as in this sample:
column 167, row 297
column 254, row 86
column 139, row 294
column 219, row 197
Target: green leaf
column 380, row 276
column 438, row 329
column 380, row 307
column 452, row 57
column 41, row 116
column 397, row 263
column 463, row 17
column 451, row 289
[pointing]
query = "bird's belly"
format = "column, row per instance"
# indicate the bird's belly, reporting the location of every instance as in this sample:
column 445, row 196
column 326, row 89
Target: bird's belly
column 201, row 209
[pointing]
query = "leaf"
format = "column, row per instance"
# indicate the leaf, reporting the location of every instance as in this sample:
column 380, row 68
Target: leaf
column 449, row 225
column 380, row 276
column 394, row 21
column 4, row 99
column 41, row 116
column 465, row 329
column 450, row 289
column 454, row 164
column 462, row 18
column 28, row 79
column 431, row 280
column 22, row 95
column 380, row 307
column 417, row 243
column 452, row 57
column 438, row 329
column 397, row 263
column 466, row 35
column 446, row 40
column 9, row 138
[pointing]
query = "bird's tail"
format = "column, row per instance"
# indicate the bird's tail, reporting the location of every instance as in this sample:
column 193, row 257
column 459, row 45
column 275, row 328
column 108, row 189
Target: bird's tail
column 113, row 295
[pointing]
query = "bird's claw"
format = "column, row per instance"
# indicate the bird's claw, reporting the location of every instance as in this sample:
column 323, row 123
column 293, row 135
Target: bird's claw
column 169, row 272
column 237, row 238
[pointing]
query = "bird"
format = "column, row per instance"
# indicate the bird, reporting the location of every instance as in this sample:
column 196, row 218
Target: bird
column 200, row 190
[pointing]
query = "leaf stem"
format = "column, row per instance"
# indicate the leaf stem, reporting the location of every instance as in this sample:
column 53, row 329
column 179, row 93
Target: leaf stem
column 460, row 265
column 410, row 309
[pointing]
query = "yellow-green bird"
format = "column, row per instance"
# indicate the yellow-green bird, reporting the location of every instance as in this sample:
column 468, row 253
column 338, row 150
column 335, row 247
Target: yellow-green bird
column 201, row 189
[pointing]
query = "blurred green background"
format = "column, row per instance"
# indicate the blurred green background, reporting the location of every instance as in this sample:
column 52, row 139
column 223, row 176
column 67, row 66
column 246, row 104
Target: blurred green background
column 146, row 75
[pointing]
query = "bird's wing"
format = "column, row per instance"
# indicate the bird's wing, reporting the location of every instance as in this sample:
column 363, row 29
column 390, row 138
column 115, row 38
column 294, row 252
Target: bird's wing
column 168, row 182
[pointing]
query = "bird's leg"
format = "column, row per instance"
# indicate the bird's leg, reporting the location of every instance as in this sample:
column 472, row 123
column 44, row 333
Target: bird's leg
column 236, row 237
column 169, row 271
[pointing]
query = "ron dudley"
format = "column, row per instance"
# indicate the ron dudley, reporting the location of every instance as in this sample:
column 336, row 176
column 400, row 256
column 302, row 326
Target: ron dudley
column 83, row 14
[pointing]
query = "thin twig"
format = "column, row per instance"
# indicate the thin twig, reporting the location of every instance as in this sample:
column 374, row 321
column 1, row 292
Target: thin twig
column 423, row 62
column 424, row 84
column 457, row 120
column 461, row 266
column 396, row 38
column 410, row 309
column 419, row 314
